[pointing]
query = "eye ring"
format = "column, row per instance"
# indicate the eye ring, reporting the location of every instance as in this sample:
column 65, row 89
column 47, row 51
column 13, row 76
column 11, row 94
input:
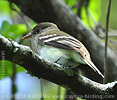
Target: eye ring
column 37, row 30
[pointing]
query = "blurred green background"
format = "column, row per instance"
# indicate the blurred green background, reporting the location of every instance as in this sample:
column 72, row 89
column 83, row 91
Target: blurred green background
column 13, row 26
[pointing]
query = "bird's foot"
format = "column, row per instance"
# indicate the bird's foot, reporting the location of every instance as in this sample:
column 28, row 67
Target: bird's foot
column 58, row 60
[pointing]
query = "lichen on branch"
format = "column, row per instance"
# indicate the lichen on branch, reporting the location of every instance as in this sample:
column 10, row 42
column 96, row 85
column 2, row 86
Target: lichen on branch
column 40, row 68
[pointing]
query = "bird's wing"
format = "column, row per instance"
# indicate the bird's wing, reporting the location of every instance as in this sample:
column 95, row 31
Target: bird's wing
column 87, row 59
column 68, row 43
column 60, row 41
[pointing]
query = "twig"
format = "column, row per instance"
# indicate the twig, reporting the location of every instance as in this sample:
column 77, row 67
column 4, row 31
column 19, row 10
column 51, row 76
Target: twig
column 80, row 3
column 13, row 77
column 21, row 15
column 58, row 92
column 106, row 43
column 41, row 89
column 112, row 35
column 109, row 36
column 14, row 71
column 88, row 13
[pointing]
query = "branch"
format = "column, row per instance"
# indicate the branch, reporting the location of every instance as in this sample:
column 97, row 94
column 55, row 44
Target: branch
column 40, row 68
column 58, row 12
column 106, row 43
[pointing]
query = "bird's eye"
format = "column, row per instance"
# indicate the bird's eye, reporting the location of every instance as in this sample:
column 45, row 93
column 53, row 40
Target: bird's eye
column 37, row 30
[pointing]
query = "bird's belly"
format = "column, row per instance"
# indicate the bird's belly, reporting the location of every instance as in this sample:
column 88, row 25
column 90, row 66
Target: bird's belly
column 55, row 54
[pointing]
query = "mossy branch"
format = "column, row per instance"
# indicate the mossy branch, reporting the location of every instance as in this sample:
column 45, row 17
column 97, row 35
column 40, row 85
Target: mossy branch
column 32, row 62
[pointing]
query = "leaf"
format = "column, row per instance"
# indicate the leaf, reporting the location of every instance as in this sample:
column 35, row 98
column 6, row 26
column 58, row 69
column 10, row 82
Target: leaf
column 94, row 8
column 12, row 31
column 4, row 27
column 4, row 7
column 6, row 69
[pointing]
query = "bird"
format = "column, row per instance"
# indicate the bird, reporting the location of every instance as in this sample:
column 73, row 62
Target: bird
column 56, row 46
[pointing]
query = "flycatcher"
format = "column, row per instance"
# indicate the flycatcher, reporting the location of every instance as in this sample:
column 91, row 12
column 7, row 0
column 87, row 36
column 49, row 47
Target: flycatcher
column 59, row 47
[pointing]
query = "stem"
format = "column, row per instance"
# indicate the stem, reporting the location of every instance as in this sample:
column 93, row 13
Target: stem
column 106, row 43
column 14, row 71
column 41, row 90
column 58, row 92
column 13, row 81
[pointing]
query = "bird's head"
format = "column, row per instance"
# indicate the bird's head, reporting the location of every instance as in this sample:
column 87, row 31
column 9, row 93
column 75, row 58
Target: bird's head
column 39, row 28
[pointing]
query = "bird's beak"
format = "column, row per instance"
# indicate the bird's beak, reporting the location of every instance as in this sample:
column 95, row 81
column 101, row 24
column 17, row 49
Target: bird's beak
column 27, row 36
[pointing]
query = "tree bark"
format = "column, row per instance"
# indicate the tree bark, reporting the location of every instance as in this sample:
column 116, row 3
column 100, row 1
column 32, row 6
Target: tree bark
column 32, row 62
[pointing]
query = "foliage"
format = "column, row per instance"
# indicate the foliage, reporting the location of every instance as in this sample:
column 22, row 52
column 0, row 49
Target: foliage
column 113, row 15
column 12, row 31
column 93, row 7
column 6, row 69
column 4, row 7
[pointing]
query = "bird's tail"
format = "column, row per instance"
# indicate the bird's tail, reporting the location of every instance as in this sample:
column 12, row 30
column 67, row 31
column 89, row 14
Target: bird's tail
column 91, row 64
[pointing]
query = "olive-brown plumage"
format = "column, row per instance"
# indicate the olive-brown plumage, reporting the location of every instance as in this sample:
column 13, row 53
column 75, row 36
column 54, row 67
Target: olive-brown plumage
column 53, row 44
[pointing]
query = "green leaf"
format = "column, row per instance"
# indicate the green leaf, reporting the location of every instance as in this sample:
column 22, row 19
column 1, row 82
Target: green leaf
column 12, row 31
column 70, row 2
column 4, row 27
column 20, row 69
column 94, row 8
column 4, row 7
column 6, row 69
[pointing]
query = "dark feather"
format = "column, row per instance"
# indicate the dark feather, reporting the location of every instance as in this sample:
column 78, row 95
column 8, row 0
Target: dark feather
column 58, row 45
